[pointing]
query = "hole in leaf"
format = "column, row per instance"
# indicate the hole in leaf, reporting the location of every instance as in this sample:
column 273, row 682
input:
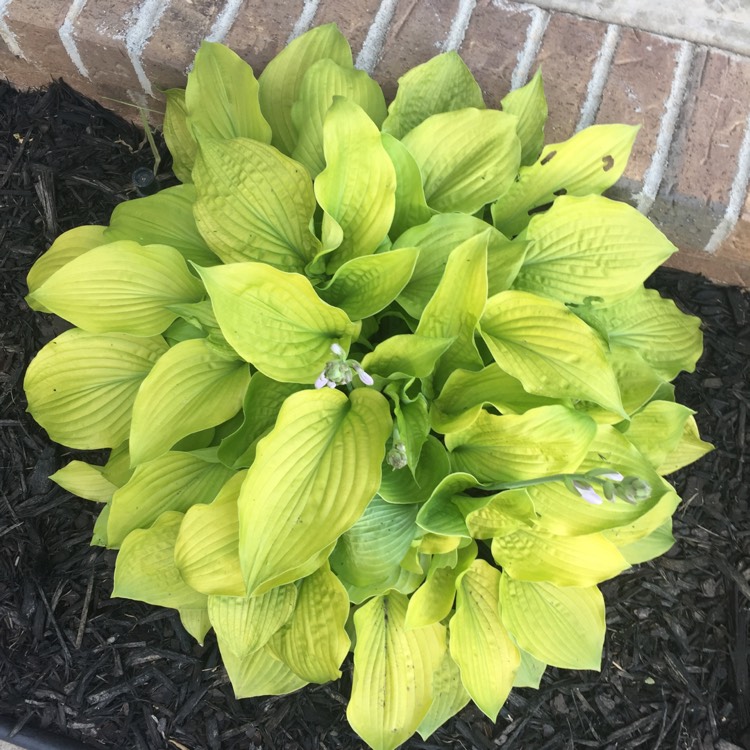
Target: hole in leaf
column 548, row 157
column 540, row 209
column 561, row 191
column 608, row 162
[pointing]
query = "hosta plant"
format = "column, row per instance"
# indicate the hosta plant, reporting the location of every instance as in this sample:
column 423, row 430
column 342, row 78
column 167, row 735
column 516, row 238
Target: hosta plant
column 374, row 379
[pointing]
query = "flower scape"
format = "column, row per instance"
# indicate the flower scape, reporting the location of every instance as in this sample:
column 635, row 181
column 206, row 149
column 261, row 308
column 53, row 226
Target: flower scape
column 379, row 379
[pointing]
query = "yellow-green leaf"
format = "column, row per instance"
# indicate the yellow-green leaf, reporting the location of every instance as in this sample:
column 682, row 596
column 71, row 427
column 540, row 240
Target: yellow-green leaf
column 405, row 355
column 529, row 105
column 653, row 545
column 689, row 449
column 657, row 429
column 449, row 696
column 85, row 480
column 403, row 486
column 178, row 135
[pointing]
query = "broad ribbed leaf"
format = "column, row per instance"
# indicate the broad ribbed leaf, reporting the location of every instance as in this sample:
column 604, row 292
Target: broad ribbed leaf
column 313, row 642
column 502, row 514
column 689, row 449
column 221, row 96
column 178, row 135
column 162, row 219
column 324, row 81
column 529, row 105
column 145, row 571
column 445, row 510
column 393, row 669
column 530, row 671
column 654, row 545
column 563, row 627
column 191, row 388
column 282, row 78
column 81, row 386
column 590, row 247
column 542, row 441
column 449, row 696
column 312, row 478
column 468, row 157
column 544, row 345
column 174, row 481
column 479, row 643
column 356, row 189
column 275, row 320
column 261, row 673
column 405, row 355
column 589, row 162
column 254, row 204
column 657, row 429
column 442, row 84
column 413, row 424
column 402, row 486
column 85, row 480
column 121, row 287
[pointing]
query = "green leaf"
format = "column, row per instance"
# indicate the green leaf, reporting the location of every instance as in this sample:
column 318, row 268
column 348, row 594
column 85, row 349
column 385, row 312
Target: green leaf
column 590, row 247
column 174, row 481
column 411, row 207
column 479, row 643
column 312, row 479
column 221, row 96
column 589, row 162
column 364, row 286
column 529, row 672
column 261, row 673
column 120, row 287
column 85, row 480
column 563, row 627
column 162, row 219
column 275, row 320
column 313, row 642
column 117, row 469
column 281, row 81
column 443, row 512
column 254, row 204
column 657, row 429
column 668, row 339
column 405, row 355
column 68, row 246
column 437, row 239
column 178, row 135
column 655, row 544
column 689, row 449
column 442, row 84
column 449, row 696
column 541, row 442
column 502, row 514
column 402, row 486
column 468, row 157
column 357, row 188
column 207, row 551
column 324, row 81
column 529, row 105
column 81, row 386
column 544, row 345
column 393, row 669
column 413, row 425
column 191, row 388
column 145, row 571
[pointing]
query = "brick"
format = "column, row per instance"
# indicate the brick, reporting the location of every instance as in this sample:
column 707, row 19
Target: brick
column 415, row 35
column 494, row 38
column 354, row 18
column 570, row 46
column 171, row 48
column 737, row 245
column 715, row 267
column 637, row 88
column 19, row 72
column 262, row 29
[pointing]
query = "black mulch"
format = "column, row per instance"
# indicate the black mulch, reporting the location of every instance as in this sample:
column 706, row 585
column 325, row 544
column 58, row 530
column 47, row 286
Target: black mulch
column 118, row 674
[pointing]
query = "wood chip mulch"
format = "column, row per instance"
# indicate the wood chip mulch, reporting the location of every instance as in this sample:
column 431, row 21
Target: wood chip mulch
column 117, row 674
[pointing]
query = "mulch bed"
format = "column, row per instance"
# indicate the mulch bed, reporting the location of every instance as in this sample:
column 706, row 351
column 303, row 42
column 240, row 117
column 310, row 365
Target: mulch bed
column 117, row 674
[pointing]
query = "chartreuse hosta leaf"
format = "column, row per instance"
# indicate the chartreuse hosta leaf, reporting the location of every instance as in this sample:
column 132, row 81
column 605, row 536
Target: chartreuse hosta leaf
column 207, row 550
column 529, row 105
column 393, row 669
column 479, row 642
column 668, row 339
column 542, row 441
column 590, row 247
column 449, row 696
column 401, row 486
column 254, row 204
column 544, row 345
column 407, row 355
column 312, row 479
column 413, row 422
column 468, row 157
column 178, row 135
column 356, row 189
column 221, row 96
column 275, row 320
column 281, row 81
column 437, row 239
column 561, row 626
column 659, row 541
column 657, row 429
column 122, row 287
column 68, row 246
column 243, row 628
column 323, row 81
column 530, row 671
column 589, row 162
column 81, row 386
column 313, row 641
column 689, row 449
column 162, row 219
column 192, row 387
column 145, row 571
column 172, row 482
column 85, row 480
column 444, row 512
column 364, row 286
column 442, row 84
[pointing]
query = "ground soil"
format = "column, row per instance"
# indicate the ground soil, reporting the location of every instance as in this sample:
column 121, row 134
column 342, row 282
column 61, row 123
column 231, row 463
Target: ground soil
column 117, row 674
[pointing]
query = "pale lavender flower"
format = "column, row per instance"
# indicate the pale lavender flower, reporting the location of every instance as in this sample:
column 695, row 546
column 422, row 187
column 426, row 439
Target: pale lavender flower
column 587, row 492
